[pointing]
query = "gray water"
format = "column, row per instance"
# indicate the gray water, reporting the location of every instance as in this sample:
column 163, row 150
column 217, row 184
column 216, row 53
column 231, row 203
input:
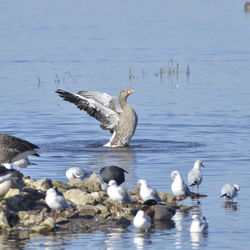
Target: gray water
column 184, row 115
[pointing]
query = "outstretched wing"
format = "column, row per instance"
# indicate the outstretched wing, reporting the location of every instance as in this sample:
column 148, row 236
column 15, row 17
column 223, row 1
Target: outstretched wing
column 94, row 108
column 103, row 98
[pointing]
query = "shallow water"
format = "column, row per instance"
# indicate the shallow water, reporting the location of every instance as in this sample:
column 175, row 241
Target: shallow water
column 111, row 45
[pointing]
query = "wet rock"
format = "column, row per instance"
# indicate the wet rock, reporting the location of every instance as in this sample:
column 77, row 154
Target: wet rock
column 28, row 218
column 8, row 219
column 44, row 227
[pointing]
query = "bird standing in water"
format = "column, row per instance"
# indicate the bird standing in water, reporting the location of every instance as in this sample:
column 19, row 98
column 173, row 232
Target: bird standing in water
column 114, row 114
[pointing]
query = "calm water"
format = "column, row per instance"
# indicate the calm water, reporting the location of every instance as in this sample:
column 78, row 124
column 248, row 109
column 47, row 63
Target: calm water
column 111, row 45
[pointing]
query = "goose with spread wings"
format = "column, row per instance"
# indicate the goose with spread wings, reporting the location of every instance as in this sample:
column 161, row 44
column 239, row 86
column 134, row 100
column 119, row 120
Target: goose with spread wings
column 114, row 114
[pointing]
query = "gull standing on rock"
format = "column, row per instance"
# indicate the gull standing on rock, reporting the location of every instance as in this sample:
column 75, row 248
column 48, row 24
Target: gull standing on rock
column 230, row 191
column 14, row 150
column 77, row 172
column 118, row 193
column 142, row 221
column 147, row 192
column 179, row 187
column 198, row 226
column 55, row 200
column 114, row 114
column 195, row 175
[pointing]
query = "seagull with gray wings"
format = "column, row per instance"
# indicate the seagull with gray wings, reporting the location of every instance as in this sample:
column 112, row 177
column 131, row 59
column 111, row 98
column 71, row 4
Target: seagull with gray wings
column 114, row 114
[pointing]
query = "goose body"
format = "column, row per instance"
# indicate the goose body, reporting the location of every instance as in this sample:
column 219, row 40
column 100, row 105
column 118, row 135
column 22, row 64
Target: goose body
column 114, row 114
column 14, row 150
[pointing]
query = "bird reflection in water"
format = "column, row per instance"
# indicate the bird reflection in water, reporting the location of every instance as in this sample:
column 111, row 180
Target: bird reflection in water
column 141, row 239
column 114, row 238
column 230, row 206
column 197, row 239
column 178, row 221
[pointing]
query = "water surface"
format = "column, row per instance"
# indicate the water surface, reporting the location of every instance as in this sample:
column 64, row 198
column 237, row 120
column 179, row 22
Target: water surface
column 111, row 45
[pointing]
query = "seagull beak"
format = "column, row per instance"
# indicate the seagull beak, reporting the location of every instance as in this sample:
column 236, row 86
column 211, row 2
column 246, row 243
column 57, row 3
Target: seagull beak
column 130, row 91
column 202, row 165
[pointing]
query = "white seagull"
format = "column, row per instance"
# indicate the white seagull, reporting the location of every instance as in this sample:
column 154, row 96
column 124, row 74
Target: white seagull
column 198, row 226
column 77, row 172
column 142, row 221
column 55, row 200
column 195, row 175
column 230, row 191
column 178, row 187
column 14, row 150
column 114, row 114
column 117, row 193
column 147, row 192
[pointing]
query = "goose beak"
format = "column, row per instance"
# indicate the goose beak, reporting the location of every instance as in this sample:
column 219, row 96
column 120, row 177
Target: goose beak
column 130, row 91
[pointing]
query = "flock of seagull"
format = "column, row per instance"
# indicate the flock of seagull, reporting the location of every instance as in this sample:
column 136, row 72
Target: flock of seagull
column 120, row 119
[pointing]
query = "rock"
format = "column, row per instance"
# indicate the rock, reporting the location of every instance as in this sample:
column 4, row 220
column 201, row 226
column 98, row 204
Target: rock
column 94, row 183
column 42, row 185
column 76, row 182
column 8, row 219
column 61, row 186
column 31, row 217
column 26, row 200
column 169, row 198
column 18, row 180
column 88, row 210
column 44, row 227
column 12, row 192
column 78, row 197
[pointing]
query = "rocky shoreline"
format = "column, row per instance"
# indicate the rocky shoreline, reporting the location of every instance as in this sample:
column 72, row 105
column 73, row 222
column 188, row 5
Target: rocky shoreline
column 24, row 207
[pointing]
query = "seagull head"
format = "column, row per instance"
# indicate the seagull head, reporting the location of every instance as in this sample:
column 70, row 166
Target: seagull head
column 174, row 174
column 237, row 187
column 51, row 191
column 142, row 182
column 198, row 164
column 112, row 183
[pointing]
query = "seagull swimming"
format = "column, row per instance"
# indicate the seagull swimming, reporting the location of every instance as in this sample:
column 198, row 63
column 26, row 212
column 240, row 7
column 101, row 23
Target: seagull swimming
column 195, row 175
column 178, row 187
column 118, row 193
column 114, row 114
column 77, row 172
column 14, row 150
column 55, row 200
column 147, row 192
column 142, row 221
column 230, row 191
column 198, row 226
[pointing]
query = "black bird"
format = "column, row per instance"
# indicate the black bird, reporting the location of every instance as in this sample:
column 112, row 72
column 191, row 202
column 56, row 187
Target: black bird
column 113, row 173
